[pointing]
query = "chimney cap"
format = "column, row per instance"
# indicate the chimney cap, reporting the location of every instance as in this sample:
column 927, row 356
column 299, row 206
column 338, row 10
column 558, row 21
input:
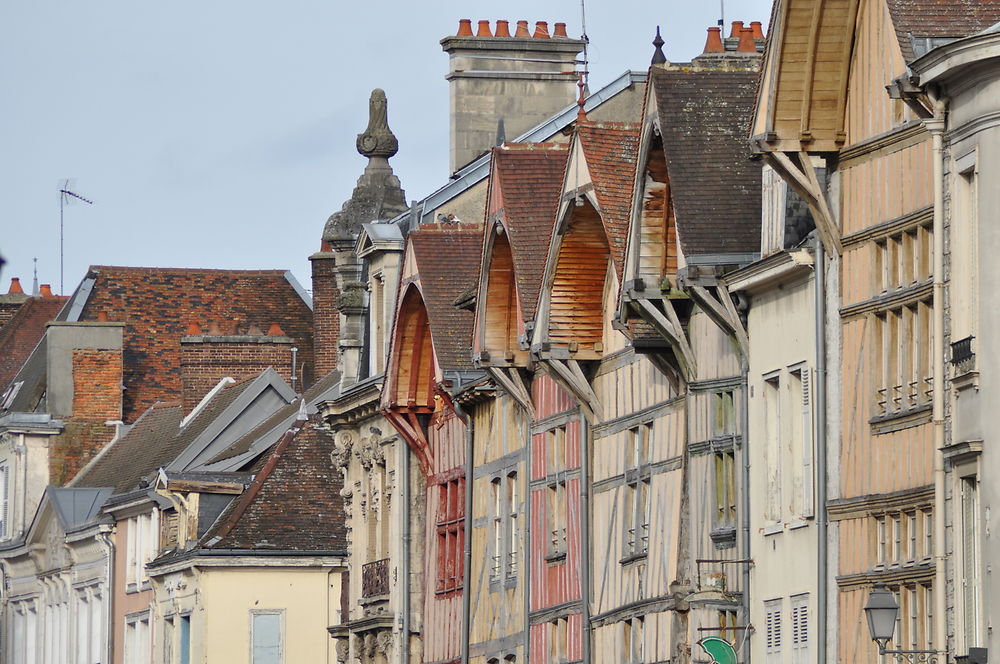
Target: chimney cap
column 560, row 31
column 747, row 43
column 193, row 328
column 658, row 57
column 15, row 286
column 503, row 28
column 713, row 43
column 541, row 30
column 736, row 30
column 484, row 29
column 464, row 28
column 522, row 29
column 275, row 330
column 758, row 31
column 45, row 290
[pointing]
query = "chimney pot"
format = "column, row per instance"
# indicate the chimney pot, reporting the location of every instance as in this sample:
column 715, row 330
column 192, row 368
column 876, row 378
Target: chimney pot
column 275, row 330
column 737, row 30
column 758, row 32
column 747, row 43
column 464, row 27
column 193, row 328
column 45, row 290
column 560, row 31
column 484, row 29
column 214, row 330
column 15, row 286
column 714, row 42
column 541, row 30
column 254, row 330
column 102, row 316
column 522, row 29
column 503, row 29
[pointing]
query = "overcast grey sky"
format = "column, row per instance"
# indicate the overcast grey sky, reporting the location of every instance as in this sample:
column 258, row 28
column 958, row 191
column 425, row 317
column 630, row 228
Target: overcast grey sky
column 221, row 134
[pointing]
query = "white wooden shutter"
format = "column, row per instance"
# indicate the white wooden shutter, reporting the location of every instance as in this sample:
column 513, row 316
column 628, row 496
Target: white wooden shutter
column 808, row 499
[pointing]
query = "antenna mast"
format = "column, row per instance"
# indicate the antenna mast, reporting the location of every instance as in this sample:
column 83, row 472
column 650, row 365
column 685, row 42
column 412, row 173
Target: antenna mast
column 586, row 41
column 66, row 196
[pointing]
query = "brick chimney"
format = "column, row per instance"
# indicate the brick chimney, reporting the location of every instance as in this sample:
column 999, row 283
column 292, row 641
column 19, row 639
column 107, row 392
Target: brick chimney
column 208, row 358
column 520, row 80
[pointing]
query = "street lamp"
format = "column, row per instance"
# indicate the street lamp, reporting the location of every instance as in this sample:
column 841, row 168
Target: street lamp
column 881, row 611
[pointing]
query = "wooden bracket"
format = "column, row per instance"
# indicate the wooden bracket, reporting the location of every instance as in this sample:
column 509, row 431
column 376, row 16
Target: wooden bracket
column 725, row 317
column 570, row 375
column 669, row 327
column 802, row 178
column 511, row 381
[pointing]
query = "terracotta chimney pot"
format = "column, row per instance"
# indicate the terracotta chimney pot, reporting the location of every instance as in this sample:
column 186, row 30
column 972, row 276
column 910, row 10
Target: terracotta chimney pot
column 214, row 330
column 714, row 42
column 522, row 29
column 541, row 30
column 275, row 330
column 15, row 287
column 503, row 29
column 747, row 43
column 737, row 30
column 758, row 32
column 193, row 328
column 45, row 290
column 484, row 29
column 560, row 31
column 254, row 330
column 102, row 316
column 464, row 27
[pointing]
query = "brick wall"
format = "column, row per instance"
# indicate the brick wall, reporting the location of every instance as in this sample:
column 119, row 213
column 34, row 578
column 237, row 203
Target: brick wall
column 326, row 317
column 97, row 384
column 205, row 360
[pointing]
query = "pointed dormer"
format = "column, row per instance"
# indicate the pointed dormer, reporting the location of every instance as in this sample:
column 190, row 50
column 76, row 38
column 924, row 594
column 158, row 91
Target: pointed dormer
column 339, row 296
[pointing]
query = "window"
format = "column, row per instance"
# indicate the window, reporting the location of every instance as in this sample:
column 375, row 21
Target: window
column 137, row 639
column 23, row 633
column 559, row 641
column 556, row 461
column 634, row 647
column 725, row 489
column 772, row 424
column 142, row 546
column 724, row 417
column 637, row 481
column 4, row 500
column 772, row 630
column 266, row 641
column 728, row 627
column 903, row 341
column 800, row 629
column 450, row 534
column 903, row 538
column 969, row 561
column 505, row 534
column 184, row 639
column 167, row 640
column 915, row 622
column 904, row 258
column 964, row 263
column 801, row 441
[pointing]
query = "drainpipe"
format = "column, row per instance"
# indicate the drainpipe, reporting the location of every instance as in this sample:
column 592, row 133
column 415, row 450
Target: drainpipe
column 404, row 641
column 526, row 550
column 467, row 546
column 109, row 547
column 819, row 390
column 936, row 126
column 585, row 532
column 745, row 498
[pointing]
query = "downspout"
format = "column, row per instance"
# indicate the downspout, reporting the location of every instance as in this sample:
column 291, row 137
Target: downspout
column 109, row 545
column 404, row 627
column 936, row 126
column 819, row 389
column 467, row 545
column 585, row 488
column 526, row 550
column 745, row 497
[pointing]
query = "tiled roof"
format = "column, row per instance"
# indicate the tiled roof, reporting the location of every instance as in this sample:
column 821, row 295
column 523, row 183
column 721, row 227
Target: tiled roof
column 158, row 304
column 940, row 18
column 448, row 259
column 152, row 442
column 715, row 186
column 611, row 150
column 23, row 332
column 527, row 179
column 296, row 487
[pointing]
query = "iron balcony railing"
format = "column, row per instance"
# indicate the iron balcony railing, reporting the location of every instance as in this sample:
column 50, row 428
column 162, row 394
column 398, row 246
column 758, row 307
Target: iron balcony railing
column 375, row 578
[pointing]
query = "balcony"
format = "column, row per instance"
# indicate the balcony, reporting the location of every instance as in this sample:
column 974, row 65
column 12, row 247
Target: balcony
column 375, row 578
column 962, row 356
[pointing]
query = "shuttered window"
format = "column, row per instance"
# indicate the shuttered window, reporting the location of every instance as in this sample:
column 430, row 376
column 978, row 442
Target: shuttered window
column 800, row 629
column 772, row 630
column 970, row 559
column 4, row 500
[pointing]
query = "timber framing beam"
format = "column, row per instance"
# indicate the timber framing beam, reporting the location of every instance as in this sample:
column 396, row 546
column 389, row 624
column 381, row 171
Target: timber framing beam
column 669, row 327
column 511, row 381
column 569, row 374
column 725, row 317
column 798, row 172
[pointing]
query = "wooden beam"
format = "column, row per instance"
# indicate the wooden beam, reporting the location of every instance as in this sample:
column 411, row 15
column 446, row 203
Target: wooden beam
column 580, row 389
column 845, row 67
column 675, row 336
column 805, row 132
column 512, row 384
column 728, row 320
column 803, row 180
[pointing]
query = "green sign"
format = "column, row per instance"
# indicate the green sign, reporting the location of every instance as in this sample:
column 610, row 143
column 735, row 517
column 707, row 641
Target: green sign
column 720, row 650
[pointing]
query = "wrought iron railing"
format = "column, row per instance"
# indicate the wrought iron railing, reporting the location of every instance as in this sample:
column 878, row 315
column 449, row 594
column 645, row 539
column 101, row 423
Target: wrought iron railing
column 962, row 356
column 375, row 578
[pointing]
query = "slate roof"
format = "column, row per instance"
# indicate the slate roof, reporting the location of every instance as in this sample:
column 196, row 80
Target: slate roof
column 76, row 507
column 158, row 304
column 937, row 19
column 22, row 333
column 528, row 180
column 296, row 489
column 611, row 150
column 152, row 442
column 448, row 258
column 715, row 186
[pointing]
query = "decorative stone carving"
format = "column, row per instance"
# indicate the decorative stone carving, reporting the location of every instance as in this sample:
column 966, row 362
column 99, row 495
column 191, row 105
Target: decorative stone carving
column 343, row 650
column 343, row 441
column 377, row 140
column 352, row 298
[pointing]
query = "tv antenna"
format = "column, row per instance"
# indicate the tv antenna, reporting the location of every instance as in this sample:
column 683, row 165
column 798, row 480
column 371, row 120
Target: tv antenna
column 66, row 197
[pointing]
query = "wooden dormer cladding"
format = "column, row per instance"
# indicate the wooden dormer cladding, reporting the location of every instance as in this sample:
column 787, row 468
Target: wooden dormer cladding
column 500, row 315
column 413, row 365
column 803, row 89
column 656, row 231
column 576, row 287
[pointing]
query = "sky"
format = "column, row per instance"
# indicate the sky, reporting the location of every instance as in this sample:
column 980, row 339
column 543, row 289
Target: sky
column 221, row 134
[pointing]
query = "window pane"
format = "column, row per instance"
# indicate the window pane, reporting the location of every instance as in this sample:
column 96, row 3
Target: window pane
column 266, row 638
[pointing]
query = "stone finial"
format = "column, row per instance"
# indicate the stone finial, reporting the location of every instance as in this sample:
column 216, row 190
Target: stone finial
column 658, row 57
column 377, row 140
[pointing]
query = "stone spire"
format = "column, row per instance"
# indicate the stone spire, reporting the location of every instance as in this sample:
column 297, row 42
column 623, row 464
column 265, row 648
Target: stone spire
column 378, row 195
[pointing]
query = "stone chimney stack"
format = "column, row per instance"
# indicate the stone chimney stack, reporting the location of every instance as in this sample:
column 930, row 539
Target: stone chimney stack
column 520, row 80
column 339, row 296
